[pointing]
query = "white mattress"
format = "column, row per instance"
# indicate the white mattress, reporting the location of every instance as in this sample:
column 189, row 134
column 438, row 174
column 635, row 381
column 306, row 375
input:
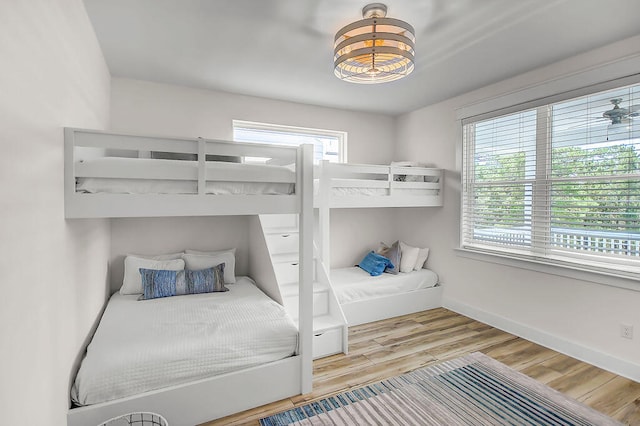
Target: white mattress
column 160, row 167
column 144, row 345
column 354, row 284
column 350, row 191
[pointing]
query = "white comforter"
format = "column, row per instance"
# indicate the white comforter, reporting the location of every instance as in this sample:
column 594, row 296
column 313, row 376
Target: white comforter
column 354, row 284
column 144, row 345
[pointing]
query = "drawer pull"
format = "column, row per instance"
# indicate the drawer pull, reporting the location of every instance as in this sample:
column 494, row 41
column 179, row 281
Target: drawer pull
column 294, row 264
column 285, row 235
column 318, row 335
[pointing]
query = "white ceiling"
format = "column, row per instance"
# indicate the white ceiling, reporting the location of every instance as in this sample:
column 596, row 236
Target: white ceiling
column 283, row 49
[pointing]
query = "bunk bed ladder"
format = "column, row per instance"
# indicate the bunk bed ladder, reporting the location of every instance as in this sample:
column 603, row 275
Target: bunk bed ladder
column 281, row 234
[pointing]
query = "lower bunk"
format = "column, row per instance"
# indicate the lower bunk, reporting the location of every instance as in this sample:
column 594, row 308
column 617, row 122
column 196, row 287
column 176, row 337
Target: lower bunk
column 189, row 358
column 365, row 298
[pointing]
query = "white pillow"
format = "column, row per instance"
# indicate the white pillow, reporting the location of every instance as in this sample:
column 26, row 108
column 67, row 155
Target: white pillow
column 422, row 259
column 210, row 253
column 132, row 282
column 197, row 260
column 168, row 256
column 409, row 257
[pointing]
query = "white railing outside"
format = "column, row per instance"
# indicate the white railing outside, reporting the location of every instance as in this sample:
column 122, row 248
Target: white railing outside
column 620, row 243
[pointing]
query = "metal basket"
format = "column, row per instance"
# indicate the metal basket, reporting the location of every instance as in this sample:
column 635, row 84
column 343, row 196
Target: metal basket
column 137, row 419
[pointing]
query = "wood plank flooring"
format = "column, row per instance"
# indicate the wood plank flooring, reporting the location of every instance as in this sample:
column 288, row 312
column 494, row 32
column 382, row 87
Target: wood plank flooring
column 387, row 348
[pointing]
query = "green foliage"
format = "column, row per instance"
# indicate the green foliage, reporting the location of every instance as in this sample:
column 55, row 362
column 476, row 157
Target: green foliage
column 573, row 161
column 503, row 205
column 609, row 204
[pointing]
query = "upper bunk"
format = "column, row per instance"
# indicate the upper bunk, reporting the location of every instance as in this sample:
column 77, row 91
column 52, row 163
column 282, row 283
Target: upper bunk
column 339, row 185
column 122, row 175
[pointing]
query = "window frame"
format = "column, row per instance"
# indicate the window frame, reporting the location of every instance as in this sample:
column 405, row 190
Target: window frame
column 338, row 134
column 609, row 273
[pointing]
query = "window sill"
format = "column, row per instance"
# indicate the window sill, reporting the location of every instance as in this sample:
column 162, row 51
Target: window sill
column 599, row 276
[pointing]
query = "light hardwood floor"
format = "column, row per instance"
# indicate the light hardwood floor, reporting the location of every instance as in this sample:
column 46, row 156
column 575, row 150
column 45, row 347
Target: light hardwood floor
column 387, row 348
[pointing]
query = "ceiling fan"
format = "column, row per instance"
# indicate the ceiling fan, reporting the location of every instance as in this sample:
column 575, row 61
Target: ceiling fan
column 617, row 114
column 618, row 120
column 620, row 117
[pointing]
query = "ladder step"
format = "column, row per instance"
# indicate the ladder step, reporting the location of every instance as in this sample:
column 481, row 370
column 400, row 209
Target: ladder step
column 291, row 257
column 279, row 220
column 280, row 230
column 325, row 322
column 291, row 289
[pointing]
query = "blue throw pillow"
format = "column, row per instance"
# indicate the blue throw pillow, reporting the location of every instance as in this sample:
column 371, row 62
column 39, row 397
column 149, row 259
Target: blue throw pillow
column 161, row 283
column 375, row 264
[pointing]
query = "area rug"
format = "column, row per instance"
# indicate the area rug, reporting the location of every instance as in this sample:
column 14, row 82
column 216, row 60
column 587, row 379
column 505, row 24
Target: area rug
column 471, row 390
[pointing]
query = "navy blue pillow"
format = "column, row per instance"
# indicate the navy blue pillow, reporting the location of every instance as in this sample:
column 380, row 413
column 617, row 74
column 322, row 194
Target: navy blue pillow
column 375, row 264
column 161, row 283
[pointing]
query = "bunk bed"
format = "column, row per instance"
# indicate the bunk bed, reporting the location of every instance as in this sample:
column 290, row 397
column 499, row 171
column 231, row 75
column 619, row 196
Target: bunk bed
column 152, row 344
column 364, row 298
column 338, row 185
column 111, row 175
column 121, row 175
column 342, row 185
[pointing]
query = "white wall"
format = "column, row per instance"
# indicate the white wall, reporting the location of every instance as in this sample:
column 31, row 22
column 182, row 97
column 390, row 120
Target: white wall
column 572, row 315
column 161, row 109
column 144, row 107
column 355, row 232
column 174, row 234
column 54, row 279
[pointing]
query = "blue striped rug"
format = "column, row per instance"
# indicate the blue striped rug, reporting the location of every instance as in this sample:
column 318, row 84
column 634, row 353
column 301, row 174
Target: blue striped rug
column 471, row 390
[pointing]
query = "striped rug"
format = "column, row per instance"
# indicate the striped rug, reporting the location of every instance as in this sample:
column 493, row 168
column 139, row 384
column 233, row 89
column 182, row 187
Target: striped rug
column 471, row 390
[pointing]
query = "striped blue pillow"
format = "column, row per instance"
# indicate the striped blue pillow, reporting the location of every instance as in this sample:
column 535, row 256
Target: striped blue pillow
column 161, row 283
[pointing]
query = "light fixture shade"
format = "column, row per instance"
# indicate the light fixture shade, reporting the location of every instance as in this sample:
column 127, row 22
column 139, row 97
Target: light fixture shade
column 375, row 49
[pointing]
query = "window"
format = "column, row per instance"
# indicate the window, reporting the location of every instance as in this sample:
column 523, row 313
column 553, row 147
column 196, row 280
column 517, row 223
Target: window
column 328, row 144
column 557, row 183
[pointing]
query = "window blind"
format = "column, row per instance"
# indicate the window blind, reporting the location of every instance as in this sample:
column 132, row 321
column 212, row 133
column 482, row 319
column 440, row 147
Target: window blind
column 558, row 182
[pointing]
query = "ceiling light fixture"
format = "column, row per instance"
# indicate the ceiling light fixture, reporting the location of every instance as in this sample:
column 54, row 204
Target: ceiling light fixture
column 375, row 49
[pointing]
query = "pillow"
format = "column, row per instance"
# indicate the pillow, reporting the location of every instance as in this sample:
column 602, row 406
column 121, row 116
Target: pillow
column 168, row 256
column 408, row 178
column 132, row 282
column 210, row 253
column 201, row 260
column 224, row 158
column 162, row 283
column 173, row 156
column 194, row 157
column 393, row 254
column 374, row 263
column 422, row 259
column 409, row 257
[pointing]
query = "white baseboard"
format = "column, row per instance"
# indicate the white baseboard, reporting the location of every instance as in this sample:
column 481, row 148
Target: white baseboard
column 560, row 344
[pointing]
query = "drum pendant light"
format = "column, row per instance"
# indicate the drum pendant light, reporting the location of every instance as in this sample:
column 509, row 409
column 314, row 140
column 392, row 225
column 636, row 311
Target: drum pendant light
column 375, row 49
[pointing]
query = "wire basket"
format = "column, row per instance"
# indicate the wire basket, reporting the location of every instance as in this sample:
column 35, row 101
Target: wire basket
column 137, row 419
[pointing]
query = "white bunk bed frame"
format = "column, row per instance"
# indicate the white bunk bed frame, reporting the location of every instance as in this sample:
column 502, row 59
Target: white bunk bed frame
column 211, row 398
column 379, row 308
column 393, row 194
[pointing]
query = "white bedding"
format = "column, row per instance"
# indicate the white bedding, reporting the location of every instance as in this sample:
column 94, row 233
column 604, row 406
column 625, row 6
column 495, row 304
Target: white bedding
column 144, row 345
column 161, row 167
column 354, row 284
column 350, row 191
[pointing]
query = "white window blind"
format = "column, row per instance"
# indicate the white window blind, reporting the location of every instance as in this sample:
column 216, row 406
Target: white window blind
column 558, row 183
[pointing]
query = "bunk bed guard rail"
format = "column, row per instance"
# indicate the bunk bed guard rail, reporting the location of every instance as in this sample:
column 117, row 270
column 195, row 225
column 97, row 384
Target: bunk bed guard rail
column 368, row 185
column 144, row 183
